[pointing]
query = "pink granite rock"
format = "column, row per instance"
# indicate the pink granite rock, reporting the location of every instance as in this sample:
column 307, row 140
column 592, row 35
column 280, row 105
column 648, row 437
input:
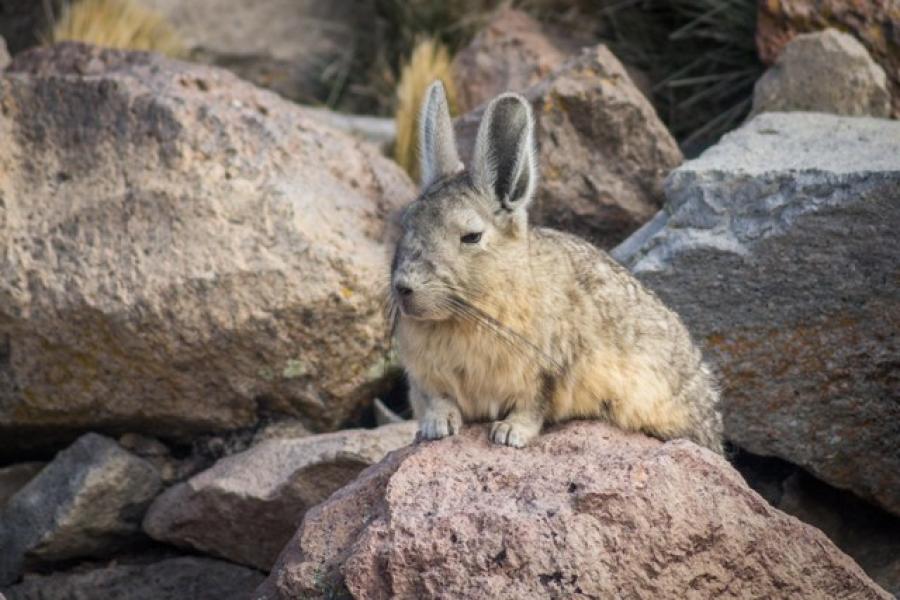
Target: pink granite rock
column 585, row 512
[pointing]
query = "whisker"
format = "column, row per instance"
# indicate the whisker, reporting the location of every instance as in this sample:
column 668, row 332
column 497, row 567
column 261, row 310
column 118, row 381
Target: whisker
column 502, row 330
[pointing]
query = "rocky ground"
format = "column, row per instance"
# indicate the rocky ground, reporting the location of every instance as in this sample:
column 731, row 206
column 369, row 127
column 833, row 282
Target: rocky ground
column 196, row 391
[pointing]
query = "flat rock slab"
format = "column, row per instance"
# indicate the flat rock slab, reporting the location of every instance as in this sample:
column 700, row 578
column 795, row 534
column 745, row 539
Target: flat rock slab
column 181, row 250
column 87, row 502
column 587, row 511
column 185, row 578
column 247, row 505
column 778, row 247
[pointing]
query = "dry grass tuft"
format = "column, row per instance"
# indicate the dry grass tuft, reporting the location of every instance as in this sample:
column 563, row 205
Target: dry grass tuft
column 429, row 61
column 116, row 24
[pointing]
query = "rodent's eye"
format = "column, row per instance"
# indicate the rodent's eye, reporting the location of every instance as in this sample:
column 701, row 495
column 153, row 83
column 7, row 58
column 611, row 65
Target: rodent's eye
column 471, row 238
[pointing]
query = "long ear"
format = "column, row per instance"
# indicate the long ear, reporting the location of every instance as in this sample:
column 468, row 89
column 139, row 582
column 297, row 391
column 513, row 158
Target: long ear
column 437, row 144
column 505, row 161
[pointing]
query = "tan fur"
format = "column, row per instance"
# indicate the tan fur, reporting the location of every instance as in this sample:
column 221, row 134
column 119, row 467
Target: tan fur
column 526, row 326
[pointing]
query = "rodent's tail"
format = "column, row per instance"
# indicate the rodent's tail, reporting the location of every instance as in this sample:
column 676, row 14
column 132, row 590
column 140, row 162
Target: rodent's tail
column 701, row 395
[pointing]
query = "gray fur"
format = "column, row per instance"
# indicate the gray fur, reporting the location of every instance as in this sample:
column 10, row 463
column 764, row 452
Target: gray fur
column 505, row 162
column 437, row 143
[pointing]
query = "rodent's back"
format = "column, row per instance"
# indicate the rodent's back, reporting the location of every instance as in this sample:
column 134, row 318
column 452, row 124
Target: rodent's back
column 629, row 357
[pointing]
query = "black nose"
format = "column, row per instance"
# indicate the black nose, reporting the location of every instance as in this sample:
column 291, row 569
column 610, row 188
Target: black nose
column 403, row 290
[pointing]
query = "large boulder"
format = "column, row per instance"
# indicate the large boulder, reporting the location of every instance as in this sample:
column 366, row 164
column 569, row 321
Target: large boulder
column 186, row 578
column 826, row 71
column 285, row 45
column 586, row 511
column 604, row 153
column 181, row 250
column 778, row 247
column 873, row 22
column 87, row 502
column 247, row 505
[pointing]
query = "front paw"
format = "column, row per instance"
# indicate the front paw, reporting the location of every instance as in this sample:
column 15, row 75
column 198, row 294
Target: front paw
column 513, row 433
column 438, row 423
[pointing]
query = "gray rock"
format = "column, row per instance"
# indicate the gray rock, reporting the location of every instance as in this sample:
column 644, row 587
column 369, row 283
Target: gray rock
column 185, row 578
column 288, row 428
column 185, row 251
column 14, row 477
column 85, row 503
column 170, row 469
column 827, row 71
column 247, row 505
column 604, row 153
column 779, row 249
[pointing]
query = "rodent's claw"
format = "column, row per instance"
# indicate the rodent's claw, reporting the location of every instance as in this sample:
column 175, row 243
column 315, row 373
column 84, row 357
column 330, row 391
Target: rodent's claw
column 512, row 434
column 437, row 424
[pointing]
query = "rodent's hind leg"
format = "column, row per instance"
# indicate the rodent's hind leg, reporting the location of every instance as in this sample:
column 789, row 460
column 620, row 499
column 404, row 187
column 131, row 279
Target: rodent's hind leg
column 441, row 417
column 518, row 428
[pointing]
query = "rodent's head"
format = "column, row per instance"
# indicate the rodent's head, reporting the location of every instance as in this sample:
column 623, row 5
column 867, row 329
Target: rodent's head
column 467, row 231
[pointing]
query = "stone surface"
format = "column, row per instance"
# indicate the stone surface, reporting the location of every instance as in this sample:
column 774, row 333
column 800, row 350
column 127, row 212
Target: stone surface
column 181, row 250
column 170, row 468
column 867, row 534
column 185, row 578
column 380, row 131
column 511, row 53
column 288, row 428
column 873, row 22
column 284, row 45
column 14, row 477
column 4, row 54
column 827, row 71
column 87, row 502
column 247, row 505
column 586, row 511
column 604, row 153
column 778, row 249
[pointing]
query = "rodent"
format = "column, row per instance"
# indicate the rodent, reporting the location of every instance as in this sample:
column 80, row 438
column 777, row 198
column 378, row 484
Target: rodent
column 496, row 320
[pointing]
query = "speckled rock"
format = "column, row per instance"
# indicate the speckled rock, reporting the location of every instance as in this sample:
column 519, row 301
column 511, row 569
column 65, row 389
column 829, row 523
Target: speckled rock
column 87, row 502
column 778, row 249
column 180, row 249
column 187, row 578
column 247, row 505
column 511, row 53
column 827, row 71
column 586, row 511
column 873, row 22
column 604, row 153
